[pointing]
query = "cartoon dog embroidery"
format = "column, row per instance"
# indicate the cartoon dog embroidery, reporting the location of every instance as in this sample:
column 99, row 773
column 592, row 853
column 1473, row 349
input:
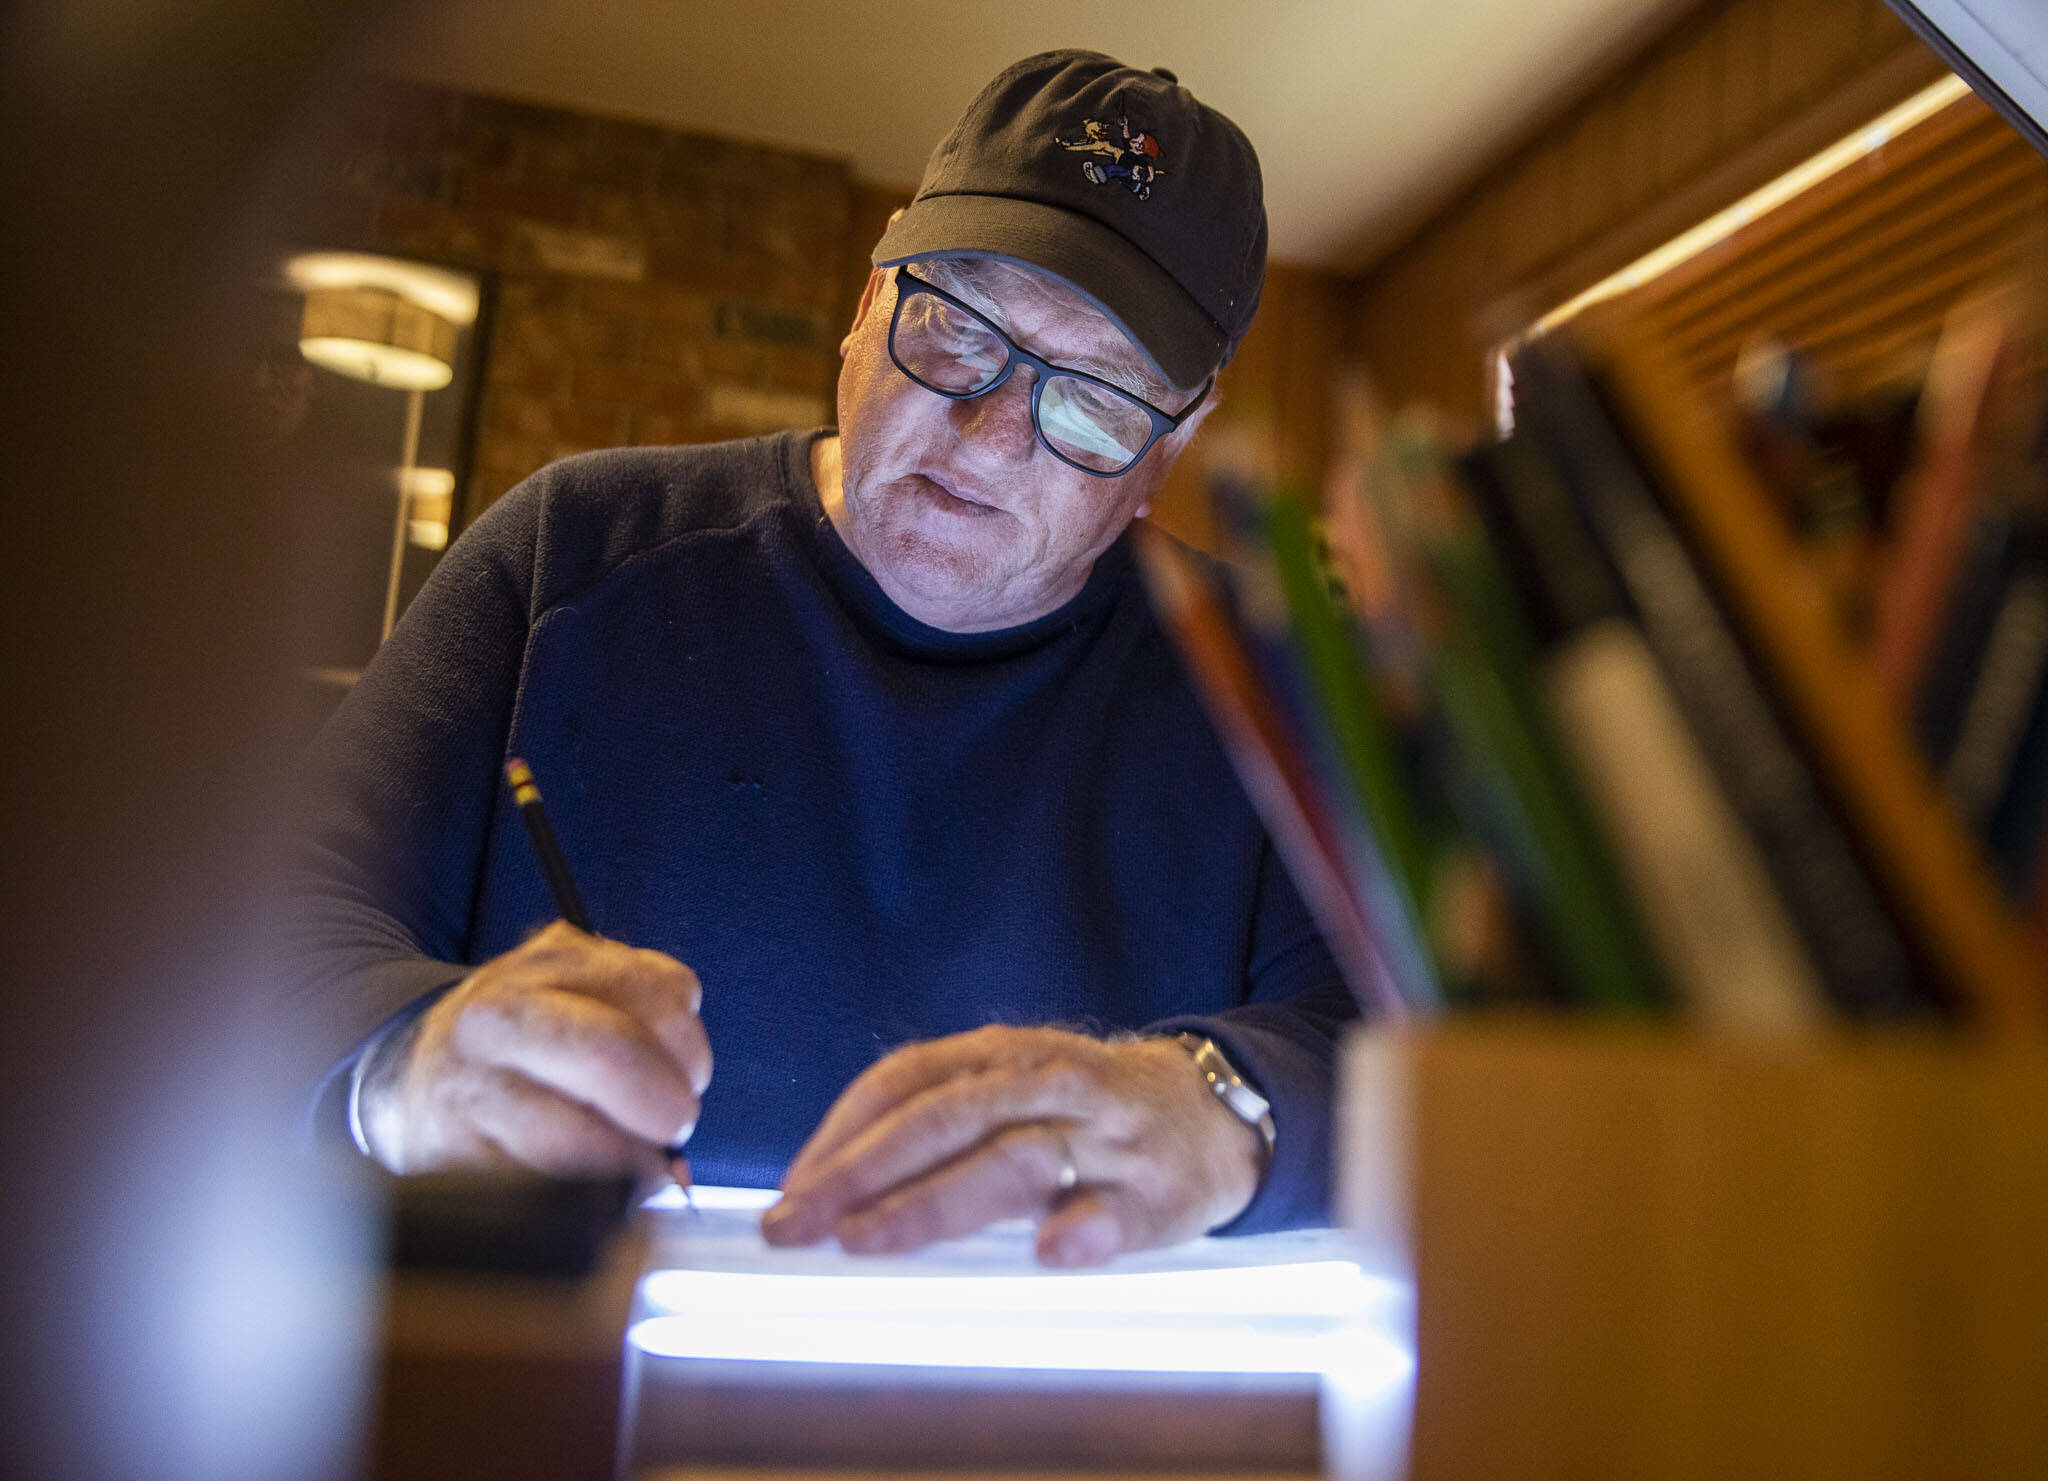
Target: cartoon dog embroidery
column 1134, row 164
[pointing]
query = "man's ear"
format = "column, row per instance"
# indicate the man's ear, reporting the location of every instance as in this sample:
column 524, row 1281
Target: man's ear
column 1178, row 439
column 868, row 295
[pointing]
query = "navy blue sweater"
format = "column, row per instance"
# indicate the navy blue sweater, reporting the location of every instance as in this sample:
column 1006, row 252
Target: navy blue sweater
column 859, row 830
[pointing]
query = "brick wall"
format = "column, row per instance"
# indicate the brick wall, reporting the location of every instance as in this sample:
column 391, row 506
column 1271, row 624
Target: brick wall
column 652, row 286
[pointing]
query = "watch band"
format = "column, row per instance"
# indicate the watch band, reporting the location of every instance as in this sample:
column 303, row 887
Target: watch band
column 1230, row 1087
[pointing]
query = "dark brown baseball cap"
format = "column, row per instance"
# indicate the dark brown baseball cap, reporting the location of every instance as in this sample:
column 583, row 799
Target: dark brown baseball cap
column 1115, row 179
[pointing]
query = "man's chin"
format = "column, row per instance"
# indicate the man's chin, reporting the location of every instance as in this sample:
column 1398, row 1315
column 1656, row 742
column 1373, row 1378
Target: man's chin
column 931, row 569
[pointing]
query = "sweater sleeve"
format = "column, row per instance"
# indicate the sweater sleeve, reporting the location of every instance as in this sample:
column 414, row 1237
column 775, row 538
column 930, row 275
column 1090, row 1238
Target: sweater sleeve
column 397, row 797
column 1283, row 1039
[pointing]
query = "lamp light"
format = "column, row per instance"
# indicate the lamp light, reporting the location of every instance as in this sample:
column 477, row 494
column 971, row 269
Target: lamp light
column 373, row 334
column 391, row 323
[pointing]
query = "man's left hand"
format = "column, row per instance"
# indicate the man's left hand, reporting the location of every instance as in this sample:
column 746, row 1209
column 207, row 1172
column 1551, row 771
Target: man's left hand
column 1114, row 1146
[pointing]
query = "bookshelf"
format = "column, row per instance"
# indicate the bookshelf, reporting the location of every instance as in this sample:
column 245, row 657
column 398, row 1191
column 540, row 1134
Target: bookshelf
column 1659, row 1227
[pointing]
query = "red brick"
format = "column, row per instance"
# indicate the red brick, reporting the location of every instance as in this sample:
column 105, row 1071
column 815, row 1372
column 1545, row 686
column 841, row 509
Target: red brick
column 537, row 334
column 599, row 424
column 521, row 373
column 518, row 413
column 719, row 272
column 560, row 205
column 507, row 455
column 673, row 347
column 650, row 302
column 535, row 290
column 664, row 428
column 617, row 384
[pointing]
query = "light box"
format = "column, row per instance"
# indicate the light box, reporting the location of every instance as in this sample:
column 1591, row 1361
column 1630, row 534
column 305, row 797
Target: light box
column 1217, row 1349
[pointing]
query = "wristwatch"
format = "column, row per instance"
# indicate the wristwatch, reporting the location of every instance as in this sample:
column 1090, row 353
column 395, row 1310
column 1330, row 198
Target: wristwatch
column 1228, row 1086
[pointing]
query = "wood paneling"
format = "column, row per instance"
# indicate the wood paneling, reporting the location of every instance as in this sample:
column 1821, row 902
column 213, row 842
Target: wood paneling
column 1860, row 271
column 1273, row 399
column 1736, row 93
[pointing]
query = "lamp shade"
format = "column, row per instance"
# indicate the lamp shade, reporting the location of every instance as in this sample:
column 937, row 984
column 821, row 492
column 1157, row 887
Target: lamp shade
column 372, row 334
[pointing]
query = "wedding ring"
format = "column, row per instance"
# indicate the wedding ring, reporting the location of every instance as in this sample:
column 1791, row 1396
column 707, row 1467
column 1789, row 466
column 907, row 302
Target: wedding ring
column 1069, row 1174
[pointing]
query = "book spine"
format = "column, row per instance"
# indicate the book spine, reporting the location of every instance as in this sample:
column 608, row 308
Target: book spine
column 1488, row 692
column 1928, row 869
column 1700, row 885
column 1993, row 722
column 2017, row 832
column 1860, row 954
column 1717, row 922
column 1944, row 691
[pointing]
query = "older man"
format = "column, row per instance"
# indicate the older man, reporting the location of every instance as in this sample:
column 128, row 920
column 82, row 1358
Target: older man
column 875, row 732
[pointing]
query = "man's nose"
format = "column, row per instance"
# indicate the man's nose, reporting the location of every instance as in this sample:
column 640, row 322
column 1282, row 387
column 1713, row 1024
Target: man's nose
column 1000, row 422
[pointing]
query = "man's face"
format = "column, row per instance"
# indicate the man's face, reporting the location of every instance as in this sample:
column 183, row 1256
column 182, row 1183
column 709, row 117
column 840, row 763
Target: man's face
column 956, row 507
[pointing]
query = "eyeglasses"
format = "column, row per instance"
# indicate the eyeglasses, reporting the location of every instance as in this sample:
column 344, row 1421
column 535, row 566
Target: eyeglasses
column 1083, row 420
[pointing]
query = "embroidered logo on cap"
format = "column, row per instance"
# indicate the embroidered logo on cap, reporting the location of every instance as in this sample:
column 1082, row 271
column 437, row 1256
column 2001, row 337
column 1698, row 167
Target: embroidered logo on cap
column 1133, row 164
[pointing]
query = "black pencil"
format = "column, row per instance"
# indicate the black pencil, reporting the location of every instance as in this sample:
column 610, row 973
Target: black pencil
column 519, row 776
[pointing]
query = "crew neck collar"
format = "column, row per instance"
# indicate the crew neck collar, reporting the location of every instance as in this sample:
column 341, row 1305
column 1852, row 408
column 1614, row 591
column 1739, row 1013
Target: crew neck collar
column 863, row 596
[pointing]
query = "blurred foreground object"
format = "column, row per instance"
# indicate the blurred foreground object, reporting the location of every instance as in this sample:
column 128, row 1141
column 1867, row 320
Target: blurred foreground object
column 1663, row 1258
column 504, row 1329
column 181, row 1300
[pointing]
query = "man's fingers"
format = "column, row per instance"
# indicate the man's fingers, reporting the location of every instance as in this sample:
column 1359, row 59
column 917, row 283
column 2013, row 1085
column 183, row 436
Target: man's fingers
column 650, row 985
column 548, row 1133
column 887, row 1084
column 1014, row 1174
column 936, row 1125
column 589, row 1051
column 1095, row 1223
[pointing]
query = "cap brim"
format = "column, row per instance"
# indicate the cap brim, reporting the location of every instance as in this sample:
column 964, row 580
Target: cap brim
column 1130, row 288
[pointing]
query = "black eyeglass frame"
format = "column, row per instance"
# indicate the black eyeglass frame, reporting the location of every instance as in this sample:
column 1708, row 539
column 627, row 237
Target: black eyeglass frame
column 1162, row 422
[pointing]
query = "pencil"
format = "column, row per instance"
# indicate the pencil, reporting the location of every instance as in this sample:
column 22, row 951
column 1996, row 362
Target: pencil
column 519, row 776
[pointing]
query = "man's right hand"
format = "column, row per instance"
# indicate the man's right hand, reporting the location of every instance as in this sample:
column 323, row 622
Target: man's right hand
column 569, row 1055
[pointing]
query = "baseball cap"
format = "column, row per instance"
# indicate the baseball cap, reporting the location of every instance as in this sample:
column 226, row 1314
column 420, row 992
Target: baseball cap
column 1115, row 179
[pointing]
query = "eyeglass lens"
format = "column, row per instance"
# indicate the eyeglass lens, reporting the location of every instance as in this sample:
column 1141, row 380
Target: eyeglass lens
column 953, row 352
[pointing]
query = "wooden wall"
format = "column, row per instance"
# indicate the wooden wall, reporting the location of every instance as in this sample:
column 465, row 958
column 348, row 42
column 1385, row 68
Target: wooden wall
column 1273, row 397
column 1736, row 93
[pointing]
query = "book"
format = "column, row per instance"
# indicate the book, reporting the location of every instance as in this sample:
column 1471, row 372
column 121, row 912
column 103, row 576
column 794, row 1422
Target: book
column 1934, row 877
column 1724, row 938
column 1932, row 522
column 1839, row 910
column 2011, row 666
column 1984, row 570
column 1269, row 760
column 1310, row 670
column 1505, row 767
column 2017, row 831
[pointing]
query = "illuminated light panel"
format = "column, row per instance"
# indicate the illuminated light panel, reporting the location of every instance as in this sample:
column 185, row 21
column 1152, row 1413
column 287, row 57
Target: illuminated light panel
column 450, row 295
column 1316, row 1291
column 379, row 364
column 1717, row 228
column 427, row 483
column 710, row 1196
column 428, row 534
column 1370, row 1359
column 1310, row 1314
